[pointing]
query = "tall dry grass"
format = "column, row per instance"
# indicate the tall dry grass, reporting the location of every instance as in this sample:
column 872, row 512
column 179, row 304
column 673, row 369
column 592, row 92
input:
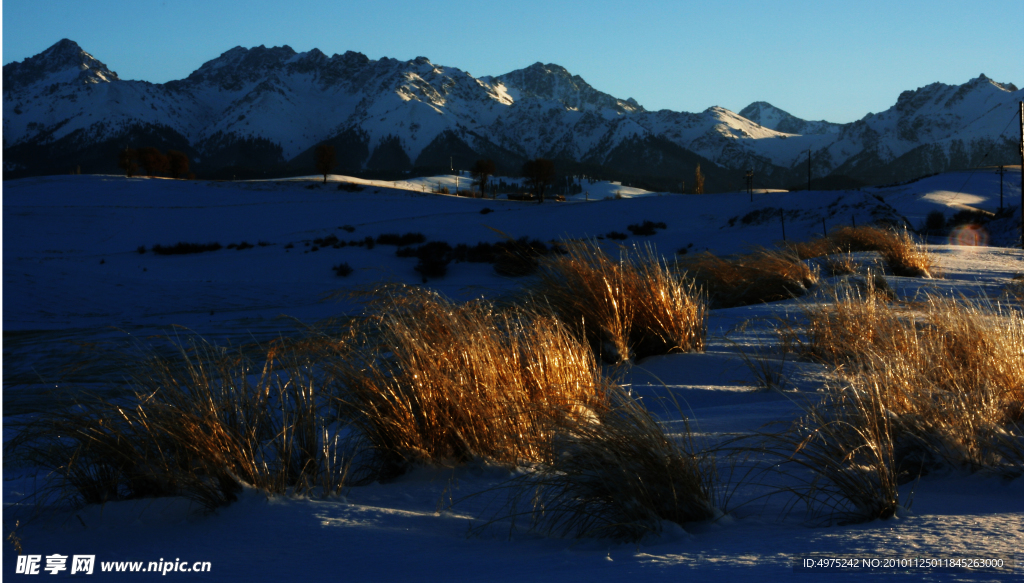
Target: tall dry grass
column 632, row 307
column 443, row 383
column 199, row 424
column 763, row 275
column 951, row 372
column 902, row 255
column 838, row 460
column 620, row 476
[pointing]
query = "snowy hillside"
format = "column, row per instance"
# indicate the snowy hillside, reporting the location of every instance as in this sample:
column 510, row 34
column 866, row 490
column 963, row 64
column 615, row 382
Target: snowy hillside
column 264, row 109
column 81, row 275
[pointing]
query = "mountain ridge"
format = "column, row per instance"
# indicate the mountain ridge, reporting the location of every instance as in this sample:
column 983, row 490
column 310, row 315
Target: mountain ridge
column 267, row 108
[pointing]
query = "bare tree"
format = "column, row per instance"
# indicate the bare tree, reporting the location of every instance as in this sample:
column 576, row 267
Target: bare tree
column 324, row 160
column 698, row 181
column 539, row 174
column 482, row 171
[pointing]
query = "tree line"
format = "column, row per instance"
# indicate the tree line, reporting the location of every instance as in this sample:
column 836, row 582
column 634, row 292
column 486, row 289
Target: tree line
column 154, row 162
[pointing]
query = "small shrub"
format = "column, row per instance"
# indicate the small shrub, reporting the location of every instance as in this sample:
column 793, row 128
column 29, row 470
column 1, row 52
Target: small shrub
column 342, row 270
column 519, row 257
column 646, row 229
column 434, row 258
column 969, row 217
column 617, row 236
column 935, row 221
column 486, row 210
column 349, row 187
column 347, row 228
column 141, row 249
column 182, row 248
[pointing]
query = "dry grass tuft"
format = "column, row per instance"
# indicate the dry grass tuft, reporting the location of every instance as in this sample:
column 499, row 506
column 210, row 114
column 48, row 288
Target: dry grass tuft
column 633, row 307
column 840, row 264
column 199, row 424
column 818, row 247
column 444, row 383
column 838, row 459
column 619, row 476
column 952, row 374
column 901, row 253
column 761, row 276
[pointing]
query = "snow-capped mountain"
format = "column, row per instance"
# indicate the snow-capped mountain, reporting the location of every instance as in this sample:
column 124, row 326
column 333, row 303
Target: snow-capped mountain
column 265, row 109
column 771, row 117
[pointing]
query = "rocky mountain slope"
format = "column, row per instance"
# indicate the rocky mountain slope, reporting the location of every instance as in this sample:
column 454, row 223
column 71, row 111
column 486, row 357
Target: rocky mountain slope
column 262, row 111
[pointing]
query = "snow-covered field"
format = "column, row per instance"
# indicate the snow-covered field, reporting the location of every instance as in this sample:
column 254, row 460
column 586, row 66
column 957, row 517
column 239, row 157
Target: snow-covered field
column 74, row 277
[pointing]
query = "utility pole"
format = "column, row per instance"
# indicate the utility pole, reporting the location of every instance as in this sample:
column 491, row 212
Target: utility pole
column 1022, row 174
column 750, row 183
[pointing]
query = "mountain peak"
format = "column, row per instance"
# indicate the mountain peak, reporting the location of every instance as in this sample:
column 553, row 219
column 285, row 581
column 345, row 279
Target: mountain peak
column 235, row 67
column 983, row 79
column 552, row 82
column 64, row 62
column 768, row 116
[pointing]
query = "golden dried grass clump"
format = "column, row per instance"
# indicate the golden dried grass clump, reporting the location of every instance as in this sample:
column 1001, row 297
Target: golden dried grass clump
column 631, row 307
column 838, row 458
column 818, row 247
column 901, row 253
column 618, row 477
column 951, row 373
column 445, row 383
column 200, row 422
column 761, row 276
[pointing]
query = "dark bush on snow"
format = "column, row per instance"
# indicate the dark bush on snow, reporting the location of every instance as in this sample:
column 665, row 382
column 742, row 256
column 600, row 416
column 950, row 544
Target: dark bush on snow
column 646, row 229
column 519, row 257
column 434, row 258
column 182, row 248
column 936, row 221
